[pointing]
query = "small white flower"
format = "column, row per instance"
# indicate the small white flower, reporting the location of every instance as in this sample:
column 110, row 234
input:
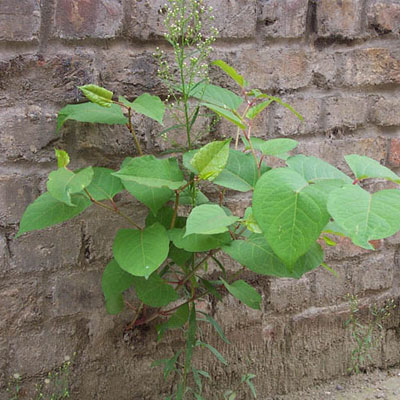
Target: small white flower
column 67, row 358
column 16, row 375
column 47, row 381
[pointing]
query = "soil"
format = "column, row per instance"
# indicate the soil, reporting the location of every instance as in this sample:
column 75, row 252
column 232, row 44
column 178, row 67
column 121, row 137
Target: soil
column 370, row 386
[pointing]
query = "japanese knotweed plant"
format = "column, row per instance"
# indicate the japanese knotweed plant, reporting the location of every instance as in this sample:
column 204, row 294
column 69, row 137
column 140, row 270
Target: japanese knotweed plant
column 165, row 259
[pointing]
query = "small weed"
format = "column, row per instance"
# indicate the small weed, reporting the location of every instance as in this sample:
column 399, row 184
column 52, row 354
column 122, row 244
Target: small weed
column 364, row 335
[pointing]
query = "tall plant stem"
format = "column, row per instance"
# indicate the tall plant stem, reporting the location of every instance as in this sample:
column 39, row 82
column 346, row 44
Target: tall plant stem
column 132, row 131
column 113, row 209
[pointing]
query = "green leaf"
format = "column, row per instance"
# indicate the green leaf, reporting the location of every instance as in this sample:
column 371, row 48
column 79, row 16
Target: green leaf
column 169, row 363
column 176, row 321
column 164, row 217
column 208, row 219
column 91, row 112
column 185, row 197
column 226, row 113
column 62, row 158
column 63, row 183
column 141, row 252
column 255, row 110
column 274, row 147
column 290, row 212
column 104, row 185
column 244, row 292
column 250, row 222
column 152, row 197
column 213, row 350
column 148, row 105
column 97, row 94
column 187, row 161
column 197, row 243
column 364, row 167
column 154, row 291
column 260, row 95
column 231, row 72
column 240, row 172
column 217, row 96
column 313, row 169
column 364, row 216
column 333, row 228
column 211, row 159
column 114, row 282
column 152, row 172
column 179, row 256
column 47, row 211
column 257, row 255
column 217, row 327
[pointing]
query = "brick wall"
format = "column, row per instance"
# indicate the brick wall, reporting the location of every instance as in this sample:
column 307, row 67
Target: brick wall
column 336, row 61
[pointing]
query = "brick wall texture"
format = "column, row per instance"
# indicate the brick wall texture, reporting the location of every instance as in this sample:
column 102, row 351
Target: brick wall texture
column 336, row 61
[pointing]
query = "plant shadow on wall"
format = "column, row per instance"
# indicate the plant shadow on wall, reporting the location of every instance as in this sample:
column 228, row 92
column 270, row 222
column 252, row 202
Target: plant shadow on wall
column 166, row 259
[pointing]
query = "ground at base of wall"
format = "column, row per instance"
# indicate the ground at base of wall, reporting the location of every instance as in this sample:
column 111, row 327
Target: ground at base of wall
column 373, row 385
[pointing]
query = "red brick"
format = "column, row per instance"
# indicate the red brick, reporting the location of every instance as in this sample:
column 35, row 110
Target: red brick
column 371, row 66
column 384, row 16
column 394, row 153
column 282, row 18
column 339, row 18
column 19, row 20
column 77, row 19
column 385, row 112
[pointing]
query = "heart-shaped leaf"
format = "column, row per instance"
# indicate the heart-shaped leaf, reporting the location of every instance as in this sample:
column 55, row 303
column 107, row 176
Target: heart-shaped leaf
column 244, row 292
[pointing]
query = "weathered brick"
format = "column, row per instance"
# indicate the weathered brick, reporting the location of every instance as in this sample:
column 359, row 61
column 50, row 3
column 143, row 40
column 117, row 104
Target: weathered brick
column 53, row 78
column 26, row 133
column 281, row 69
column 3, row 253
column 384, row 16
column 325, row 69
column 282, row 18
column 333, row 150
column 78, row 292
column 345, row 112
column 77, row 19
column 288, row 124
column 385, row 112
column 371, row 66
column 47, row 250
column 394, row 153
column 339, row 18
column 16, row 192
column 146, row 18
column 19, row 20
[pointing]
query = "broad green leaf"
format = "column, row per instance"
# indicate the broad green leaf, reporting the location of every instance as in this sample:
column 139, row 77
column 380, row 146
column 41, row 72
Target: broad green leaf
column 364, row 167
column 227, row 114
column 240, row 173
column 152, row 172
column 154, row 291
column 187, row 161
column 217, row 96
column 114, row 282
column 213, row 350
column 62, row 158
column 104, row 185
column 255, row 110
column 274, row 147
column 91, row 112
column 176, row 321
column 164, row 217
column 179, row 256
column 244, row 292
column 250, row 222
column 208, row 219
column 211, row 159
column 198, row 243
column 97, row 94
column 148, row 105
column 290, row 212
column 152, row 197
column 231, row 72
column 257, row 255
column 141, row 252
column 313, row 169
column 47, row 211
column 185, row 198
column 333, row 228
column 364, row 216
column 63, row 183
